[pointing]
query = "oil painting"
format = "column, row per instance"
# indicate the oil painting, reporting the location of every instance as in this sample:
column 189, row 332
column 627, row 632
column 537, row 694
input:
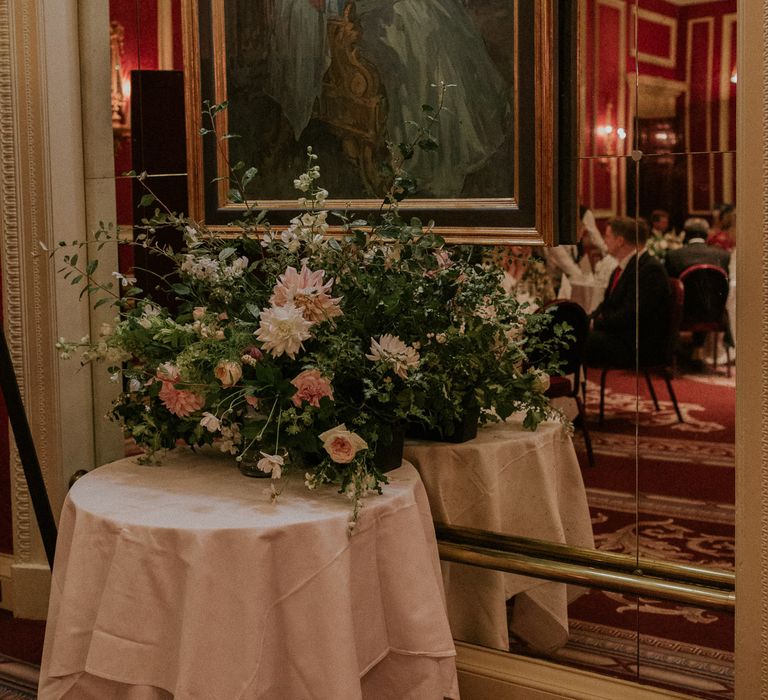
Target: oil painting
column 350, row 78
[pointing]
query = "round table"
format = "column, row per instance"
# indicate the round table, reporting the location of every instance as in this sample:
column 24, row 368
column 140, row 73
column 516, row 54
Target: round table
column 186, row 580
column 515, row 482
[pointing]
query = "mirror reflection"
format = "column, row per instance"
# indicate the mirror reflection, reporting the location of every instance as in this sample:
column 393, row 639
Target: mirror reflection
column 663, row 441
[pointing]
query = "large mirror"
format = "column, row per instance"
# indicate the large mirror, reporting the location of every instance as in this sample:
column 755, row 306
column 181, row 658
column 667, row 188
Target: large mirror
column 658, row 102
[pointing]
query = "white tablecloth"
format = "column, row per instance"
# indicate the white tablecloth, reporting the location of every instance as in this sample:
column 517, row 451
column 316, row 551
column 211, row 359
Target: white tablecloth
column 587, row 295
column 514, row 482
column 185, row 581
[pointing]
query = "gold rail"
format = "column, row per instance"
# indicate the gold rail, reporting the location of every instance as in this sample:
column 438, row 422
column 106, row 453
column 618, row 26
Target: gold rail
column 587, row 567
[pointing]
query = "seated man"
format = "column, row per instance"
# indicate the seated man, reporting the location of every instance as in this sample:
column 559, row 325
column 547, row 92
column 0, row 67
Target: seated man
column 701, row 304
column 695, row 251
column 611, row 342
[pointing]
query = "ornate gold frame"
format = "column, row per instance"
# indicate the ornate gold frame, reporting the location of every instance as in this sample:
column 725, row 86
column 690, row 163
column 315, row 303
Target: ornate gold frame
column 496, row 214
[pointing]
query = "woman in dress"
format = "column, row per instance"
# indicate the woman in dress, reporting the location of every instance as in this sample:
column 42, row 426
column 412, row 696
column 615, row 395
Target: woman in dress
column 413, row 45
column 723, row 231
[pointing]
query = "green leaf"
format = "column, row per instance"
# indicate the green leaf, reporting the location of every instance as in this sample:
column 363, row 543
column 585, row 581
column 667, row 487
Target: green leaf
column 147, row 200
column 73, row 260
column 427, row 108
column 248, row 175
column 90, row 268
column 101, row 302
column 428, row 144
column 181, row 289
column 406, row 150
column 226, row 253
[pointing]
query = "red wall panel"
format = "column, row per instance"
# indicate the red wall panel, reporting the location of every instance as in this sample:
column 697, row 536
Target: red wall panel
column 693, row 44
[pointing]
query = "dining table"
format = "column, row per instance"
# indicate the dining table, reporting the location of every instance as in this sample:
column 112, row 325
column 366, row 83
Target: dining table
column 511, row 481
column 189, row 580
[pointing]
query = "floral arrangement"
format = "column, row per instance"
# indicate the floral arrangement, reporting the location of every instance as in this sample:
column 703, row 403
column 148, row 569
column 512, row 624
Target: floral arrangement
column 659, row 244
column 296, row 348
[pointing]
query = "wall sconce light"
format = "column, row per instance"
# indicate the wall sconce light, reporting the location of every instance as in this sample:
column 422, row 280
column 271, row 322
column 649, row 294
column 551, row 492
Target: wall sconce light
column 120, row 84
column 606, row 130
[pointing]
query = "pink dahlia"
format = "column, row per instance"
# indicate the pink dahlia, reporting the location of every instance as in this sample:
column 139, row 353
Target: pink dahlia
column 307, row 291
column 282, row 329
column 180, row 402
column 393, row 351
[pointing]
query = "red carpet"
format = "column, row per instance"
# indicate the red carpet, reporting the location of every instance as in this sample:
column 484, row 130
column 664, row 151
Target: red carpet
column 684, row 513
column 21, row 639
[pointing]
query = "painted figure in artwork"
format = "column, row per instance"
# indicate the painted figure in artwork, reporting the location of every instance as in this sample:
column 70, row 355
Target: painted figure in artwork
column 355, row 72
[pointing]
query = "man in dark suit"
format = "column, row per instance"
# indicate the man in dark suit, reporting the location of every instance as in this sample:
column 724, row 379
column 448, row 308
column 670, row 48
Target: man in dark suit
column 696, row 251
column 638, row 282
column 702, row 300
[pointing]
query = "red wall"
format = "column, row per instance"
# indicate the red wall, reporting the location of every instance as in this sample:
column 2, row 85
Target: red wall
column 139, row 20
column 694, row 45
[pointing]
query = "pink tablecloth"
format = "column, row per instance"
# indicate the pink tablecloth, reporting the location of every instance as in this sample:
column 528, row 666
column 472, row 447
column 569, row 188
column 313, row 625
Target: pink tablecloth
column 515, row 482
column 185, row 581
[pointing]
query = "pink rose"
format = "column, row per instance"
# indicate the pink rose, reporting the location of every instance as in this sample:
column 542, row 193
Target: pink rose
column 311, row 387
column 341, row 444
column 228, row 372
column 167, row 372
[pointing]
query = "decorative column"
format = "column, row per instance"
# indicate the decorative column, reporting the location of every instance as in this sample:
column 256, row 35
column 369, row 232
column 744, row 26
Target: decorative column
column 41, row 202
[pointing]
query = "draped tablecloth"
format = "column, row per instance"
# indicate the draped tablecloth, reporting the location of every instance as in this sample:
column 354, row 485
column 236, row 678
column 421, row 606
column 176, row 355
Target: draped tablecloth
column 184, row 580
column 515, row 482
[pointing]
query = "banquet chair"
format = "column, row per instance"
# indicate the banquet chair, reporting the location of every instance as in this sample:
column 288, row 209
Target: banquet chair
column 706, row 292
column 568, row 384
column 664, row 366
column 27, row 454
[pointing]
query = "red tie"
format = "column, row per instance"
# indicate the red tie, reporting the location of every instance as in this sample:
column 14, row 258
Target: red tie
column 614, row 279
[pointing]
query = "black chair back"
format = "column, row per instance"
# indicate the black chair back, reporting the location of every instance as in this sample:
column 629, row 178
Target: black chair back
column 677, row 303
column 571, row 313
column 706, row 291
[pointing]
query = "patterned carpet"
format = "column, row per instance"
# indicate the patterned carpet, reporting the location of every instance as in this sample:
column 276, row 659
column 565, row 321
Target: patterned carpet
column 684, row 513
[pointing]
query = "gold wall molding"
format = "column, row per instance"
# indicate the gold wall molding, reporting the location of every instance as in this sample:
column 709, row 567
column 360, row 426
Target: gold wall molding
column 752, row 360
column 41, row 200
column 729, row 21
column 670, row 60
column 24, row 278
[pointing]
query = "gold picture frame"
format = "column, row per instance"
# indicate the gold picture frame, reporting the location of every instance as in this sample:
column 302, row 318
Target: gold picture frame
column 524, row 213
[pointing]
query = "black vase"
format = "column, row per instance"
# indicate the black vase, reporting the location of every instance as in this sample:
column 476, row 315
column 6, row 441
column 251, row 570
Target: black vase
column 389, row 448
column 464, row 428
